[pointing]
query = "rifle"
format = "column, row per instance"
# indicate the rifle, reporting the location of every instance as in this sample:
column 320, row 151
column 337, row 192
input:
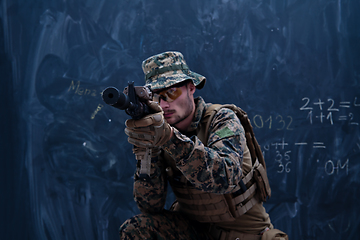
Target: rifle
column 132, row 100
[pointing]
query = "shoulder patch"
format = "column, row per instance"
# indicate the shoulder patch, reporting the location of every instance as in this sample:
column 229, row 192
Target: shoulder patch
column 225, row 132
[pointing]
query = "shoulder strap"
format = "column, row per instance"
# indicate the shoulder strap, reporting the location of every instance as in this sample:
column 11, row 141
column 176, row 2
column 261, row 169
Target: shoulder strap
column 203, row 129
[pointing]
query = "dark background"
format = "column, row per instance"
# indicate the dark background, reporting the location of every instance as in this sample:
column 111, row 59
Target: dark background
column 293, row 65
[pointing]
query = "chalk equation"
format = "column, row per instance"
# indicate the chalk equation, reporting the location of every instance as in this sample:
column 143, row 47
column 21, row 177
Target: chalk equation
column 281, row 153
column 330, row 110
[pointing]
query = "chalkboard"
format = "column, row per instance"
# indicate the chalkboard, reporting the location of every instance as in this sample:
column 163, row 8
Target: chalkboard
column 293, row 66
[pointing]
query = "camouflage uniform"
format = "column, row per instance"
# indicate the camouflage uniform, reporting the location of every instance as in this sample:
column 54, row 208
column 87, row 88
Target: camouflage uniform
column 215, row 167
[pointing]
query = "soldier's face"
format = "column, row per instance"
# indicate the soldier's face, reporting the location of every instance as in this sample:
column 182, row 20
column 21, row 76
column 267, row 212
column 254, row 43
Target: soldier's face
column 179, row 112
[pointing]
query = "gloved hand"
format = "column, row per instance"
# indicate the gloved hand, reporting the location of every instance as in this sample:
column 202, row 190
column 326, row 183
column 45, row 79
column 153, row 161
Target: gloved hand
column 149, row 131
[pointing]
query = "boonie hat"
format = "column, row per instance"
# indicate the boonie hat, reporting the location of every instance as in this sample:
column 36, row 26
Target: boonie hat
column 167, row 69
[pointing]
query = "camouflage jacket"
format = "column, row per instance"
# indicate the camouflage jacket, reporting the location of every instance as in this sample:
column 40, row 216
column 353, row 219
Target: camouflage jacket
column 214, row 168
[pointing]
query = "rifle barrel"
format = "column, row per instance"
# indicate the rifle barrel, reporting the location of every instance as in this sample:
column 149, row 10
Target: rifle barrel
column 113, row 97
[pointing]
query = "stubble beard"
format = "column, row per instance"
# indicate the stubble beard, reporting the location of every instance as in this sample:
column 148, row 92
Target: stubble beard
column 185, row 105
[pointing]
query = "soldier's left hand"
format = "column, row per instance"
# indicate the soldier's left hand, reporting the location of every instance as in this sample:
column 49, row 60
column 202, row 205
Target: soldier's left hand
column 149, row 131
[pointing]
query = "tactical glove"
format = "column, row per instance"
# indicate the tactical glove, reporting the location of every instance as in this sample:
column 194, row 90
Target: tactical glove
column 149, row 131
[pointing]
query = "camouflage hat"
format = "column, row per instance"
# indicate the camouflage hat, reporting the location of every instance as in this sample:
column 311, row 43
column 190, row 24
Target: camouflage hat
column 167, row 69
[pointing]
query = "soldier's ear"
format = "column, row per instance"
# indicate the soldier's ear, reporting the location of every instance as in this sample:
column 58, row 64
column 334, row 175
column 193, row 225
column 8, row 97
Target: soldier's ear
column 191, row 87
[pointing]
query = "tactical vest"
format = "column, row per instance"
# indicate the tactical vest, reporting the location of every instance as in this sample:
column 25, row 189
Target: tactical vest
column 210, row 207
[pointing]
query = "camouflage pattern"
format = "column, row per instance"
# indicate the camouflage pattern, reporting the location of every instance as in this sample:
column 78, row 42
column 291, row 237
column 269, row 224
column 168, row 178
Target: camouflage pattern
column 162, row 226
column 214, row 168
column 169, row 68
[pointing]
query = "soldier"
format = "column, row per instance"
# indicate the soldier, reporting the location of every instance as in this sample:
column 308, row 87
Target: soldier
column 202, row 151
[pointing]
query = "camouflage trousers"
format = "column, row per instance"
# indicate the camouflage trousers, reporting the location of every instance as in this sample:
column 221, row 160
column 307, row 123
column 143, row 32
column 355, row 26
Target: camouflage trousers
column 162, row 226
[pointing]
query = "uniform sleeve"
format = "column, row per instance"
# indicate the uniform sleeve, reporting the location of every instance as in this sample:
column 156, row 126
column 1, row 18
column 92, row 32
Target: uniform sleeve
column 150, row 195
column 216, row 168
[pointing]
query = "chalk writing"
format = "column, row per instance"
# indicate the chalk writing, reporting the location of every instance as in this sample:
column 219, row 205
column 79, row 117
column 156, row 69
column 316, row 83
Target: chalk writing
column 318, row 145
column 331, row 168
column 81, row 90
column 283, row 159
column 355, row 103
column 280, row 153
column 282, row 144
column 331, row 107
column 315, row 144
column 281, row 123
column 98, row 109
column 282, row 156
column 348, row 118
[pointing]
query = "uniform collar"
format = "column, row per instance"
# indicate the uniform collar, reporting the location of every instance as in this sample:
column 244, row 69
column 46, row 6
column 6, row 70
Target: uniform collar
column 200, row 107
